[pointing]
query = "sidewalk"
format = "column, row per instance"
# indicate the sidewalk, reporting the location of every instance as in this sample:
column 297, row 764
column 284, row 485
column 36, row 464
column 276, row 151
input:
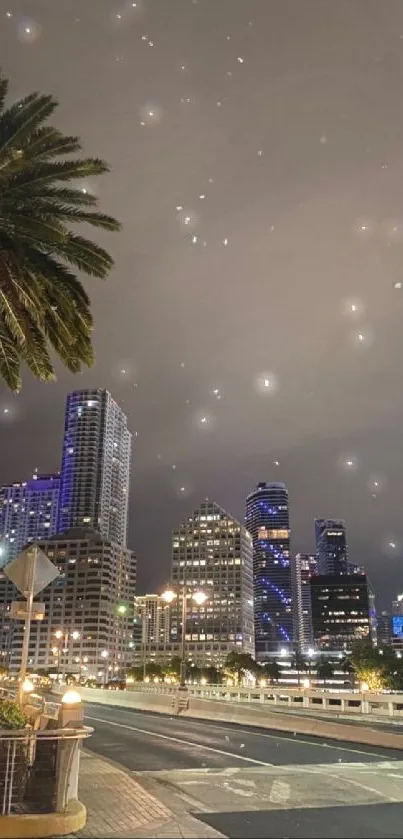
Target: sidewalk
column 119, row 807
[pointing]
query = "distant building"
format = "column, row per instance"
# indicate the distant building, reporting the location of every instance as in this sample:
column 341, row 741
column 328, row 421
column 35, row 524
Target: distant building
column 331, row 546
column 384, row 629
column 267, row 520
column 95, row 473
column 397, row 605
column 212, row 552
column 304, row 567
column 28, row 513
column 154, row 615
column 82, row 606
column 343, row 610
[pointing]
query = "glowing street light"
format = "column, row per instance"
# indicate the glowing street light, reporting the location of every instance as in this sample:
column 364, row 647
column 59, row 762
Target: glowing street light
column 199, row 598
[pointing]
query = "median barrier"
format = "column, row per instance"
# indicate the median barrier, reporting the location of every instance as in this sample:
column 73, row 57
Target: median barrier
column 255, row 716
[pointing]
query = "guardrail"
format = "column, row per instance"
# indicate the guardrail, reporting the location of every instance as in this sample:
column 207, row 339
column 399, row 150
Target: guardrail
column 367, row 703
column 39, row 769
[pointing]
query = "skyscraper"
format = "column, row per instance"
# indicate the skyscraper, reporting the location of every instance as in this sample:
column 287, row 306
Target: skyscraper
column 343, row 610
column 303, row 568
column 28, row 513
column 95, row 474
column 267, row 520
column 212, row 552
column 84, row 631
column 331, row 546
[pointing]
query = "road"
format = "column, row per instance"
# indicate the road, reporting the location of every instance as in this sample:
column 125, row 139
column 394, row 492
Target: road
column 243, row 781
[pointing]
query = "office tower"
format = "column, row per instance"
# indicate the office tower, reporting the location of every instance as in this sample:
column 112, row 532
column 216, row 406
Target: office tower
column 267, row 520
column 397, row 605
column 343, row 610
column 304, row 566
column 212, row 553
column 87, row 629
column 154, row 613
column 95, row 474
column 331, row 546
column 384, row 629
column 28, row 513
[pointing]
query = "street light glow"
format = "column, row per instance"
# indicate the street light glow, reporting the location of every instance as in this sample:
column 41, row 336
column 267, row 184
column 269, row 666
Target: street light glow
column 169, row 596
column 199, row 597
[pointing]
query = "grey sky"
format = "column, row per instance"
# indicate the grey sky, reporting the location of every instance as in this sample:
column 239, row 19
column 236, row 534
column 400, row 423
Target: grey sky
column 293, row 134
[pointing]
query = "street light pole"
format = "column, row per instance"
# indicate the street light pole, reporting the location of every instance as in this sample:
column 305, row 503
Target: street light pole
column 29, row 594
column 182, row 671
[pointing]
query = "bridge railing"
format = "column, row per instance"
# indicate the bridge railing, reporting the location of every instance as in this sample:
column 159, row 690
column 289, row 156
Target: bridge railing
column 343, row 702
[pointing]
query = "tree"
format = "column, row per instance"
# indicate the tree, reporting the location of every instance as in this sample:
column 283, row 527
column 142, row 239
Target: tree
column 43, row 304
column 237, row 664
column 370, row 665
column 325, row 671
column 300, row 665
column 272, row 671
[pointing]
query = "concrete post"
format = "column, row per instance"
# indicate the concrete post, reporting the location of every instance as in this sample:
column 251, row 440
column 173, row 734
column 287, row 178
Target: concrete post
column 68, row 756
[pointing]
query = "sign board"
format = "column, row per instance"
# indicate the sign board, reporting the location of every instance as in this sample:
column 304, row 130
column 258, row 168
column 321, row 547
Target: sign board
column 19, row 571
column 20, row 612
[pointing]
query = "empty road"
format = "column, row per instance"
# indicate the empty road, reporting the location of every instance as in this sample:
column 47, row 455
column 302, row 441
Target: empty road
column 247, row 781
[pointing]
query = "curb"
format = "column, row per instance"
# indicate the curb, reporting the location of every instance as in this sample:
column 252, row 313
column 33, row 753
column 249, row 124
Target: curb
column 44, row 825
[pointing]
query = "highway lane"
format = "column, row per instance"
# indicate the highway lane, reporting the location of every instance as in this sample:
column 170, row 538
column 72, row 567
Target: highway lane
column 251, row 782
column 147, row 742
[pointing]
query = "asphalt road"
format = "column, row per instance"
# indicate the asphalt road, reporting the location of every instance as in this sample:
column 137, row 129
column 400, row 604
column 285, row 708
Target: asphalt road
column 144, row 742
column 250, row 782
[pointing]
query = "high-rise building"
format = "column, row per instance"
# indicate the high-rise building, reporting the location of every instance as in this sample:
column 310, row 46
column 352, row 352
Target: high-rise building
column 212, row 553
column 95, row 474
column 343, row 610
column 87, row 628
column 154, row 613
column 331, row 546
column 28, row 513
column 267, row 520
column 304, row 566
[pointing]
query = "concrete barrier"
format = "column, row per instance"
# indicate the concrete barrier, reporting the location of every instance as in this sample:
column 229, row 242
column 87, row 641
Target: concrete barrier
column 256, row 716
column 46, row 825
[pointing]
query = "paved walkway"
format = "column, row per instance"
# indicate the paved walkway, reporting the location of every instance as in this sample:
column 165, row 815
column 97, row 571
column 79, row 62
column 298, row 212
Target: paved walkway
column 119, row 807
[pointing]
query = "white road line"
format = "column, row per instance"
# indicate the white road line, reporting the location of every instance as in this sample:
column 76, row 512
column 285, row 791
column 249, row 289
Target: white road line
column 333, row 744
column 184, row 742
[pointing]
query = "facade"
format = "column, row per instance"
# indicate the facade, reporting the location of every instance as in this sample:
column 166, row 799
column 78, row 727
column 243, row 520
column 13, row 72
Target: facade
column 212, row 553
column 343, row 610
column 331, row 546
column 267, row 520
column 154, row 616
column 82, row 607
column 95, row 473
column 303, row 569
column 28, row 513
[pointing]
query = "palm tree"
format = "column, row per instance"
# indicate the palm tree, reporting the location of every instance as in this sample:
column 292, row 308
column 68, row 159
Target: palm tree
column 325, row 671
column 43, row 304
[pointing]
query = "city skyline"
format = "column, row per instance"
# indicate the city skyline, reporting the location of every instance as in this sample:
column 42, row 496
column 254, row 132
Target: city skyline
column 251, row 329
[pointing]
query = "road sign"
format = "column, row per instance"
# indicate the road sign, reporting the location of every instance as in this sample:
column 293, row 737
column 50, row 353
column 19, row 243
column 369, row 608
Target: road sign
column 20, row 571
column 19, row 610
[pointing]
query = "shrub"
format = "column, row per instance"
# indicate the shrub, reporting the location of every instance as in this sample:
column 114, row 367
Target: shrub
column 11, row 715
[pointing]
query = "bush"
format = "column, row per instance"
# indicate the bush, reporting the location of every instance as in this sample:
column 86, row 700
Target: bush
column 11, row 715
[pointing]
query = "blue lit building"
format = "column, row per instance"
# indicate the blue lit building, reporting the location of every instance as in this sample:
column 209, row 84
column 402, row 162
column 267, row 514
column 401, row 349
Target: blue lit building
column 28, row 513
column 95, row 473
column 267, row 520
column 331, row 546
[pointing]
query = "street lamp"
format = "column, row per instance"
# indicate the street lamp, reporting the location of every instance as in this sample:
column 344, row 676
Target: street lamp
column 64, row 635
column 199, row 598
column 104, row 655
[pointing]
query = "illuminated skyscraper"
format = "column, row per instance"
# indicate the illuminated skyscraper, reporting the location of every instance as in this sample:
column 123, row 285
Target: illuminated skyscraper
column 212, row 553
column 304, row 566
column 95, row 474
column 28, row 513
column 331, row 546
column 267, row 520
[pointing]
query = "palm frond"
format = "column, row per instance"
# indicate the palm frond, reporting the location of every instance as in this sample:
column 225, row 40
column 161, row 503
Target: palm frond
column 44, row 306
column 9, row 360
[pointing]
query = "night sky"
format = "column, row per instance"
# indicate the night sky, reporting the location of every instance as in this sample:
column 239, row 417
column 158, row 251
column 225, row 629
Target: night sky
column 252, row 326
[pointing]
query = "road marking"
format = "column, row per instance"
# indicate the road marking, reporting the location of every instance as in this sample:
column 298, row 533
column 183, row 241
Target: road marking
column 280, row 792
column 334, row 744
column 179, row 740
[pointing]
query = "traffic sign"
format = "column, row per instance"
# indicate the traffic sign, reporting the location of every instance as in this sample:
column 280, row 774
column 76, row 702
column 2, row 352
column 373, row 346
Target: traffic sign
column 19, row 611
column 20, row 571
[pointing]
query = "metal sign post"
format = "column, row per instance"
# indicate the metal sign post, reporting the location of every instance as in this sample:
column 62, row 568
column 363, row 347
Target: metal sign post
column 31, row 572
